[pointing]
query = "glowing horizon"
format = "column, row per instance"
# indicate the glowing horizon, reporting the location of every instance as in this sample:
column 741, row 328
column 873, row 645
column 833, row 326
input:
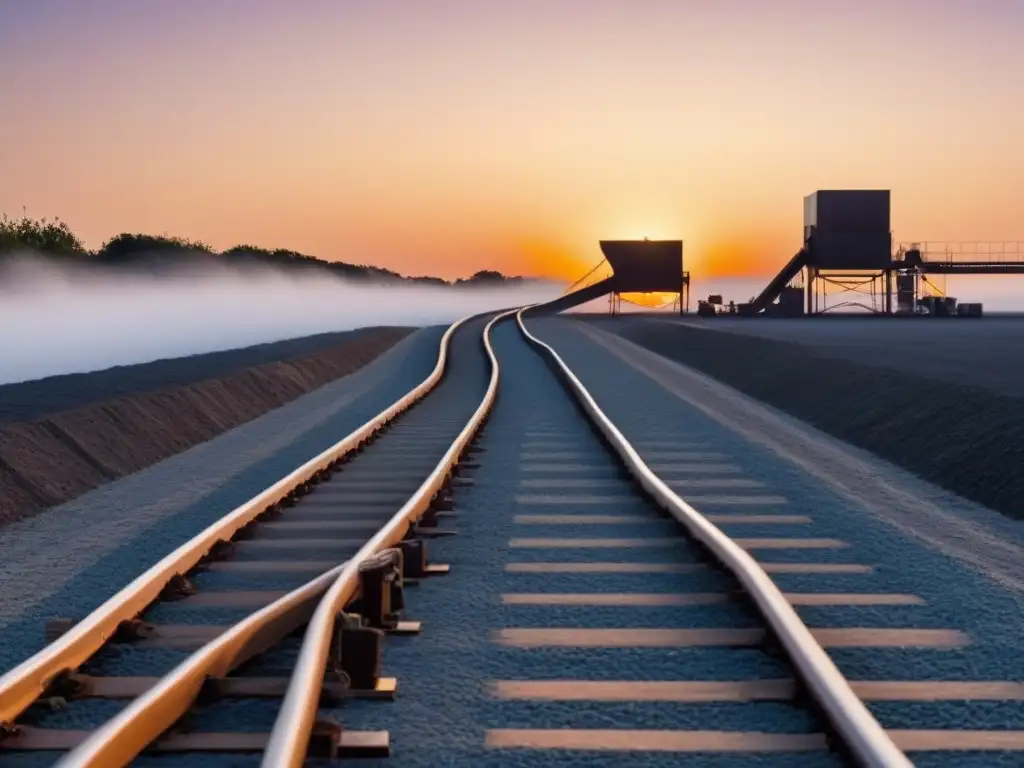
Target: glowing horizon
column 450, row 137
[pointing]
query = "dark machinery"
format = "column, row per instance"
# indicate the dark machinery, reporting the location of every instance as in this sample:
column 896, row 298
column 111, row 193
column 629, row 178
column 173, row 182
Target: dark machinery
column 846, row 234
column 638, row 266
column 847, row 243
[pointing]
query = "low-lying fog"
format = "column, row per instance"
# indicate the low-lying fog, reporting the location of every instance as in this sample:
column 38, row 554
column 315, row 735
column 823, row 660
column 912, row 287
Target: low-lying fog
column 57, row 320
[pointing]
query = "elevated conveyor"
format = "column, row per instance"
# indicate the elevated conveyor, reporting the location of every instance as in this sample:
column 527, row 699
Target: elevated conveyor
column 638, row 266
column 574, row 299
column 967, row 267
column 774, row 289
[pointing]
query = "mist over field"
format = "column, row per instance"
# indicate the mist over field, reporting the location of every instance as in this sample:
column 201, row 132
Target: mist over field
column 69, row 319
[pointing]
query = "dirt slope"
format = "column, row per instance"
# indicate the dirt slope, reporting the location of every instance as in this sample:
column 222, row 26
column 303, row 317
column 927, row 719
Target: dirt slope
column 61, row 455
column 32, row 400
column 965, row 438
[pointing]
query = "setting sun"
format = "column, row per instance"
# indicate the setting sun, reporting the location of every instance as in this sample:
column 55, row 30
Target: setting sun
column 413, row 145
column 547, row 310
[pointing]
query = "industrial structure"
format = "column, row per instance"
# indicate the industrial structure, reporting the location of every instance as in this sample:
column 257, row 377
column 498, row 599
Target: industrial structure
column 847, row 243
column 638, row 266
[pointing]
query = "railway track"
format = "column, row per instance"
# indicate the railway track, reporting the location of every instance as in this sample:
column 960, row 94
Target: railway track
column 243, row 586
column 528, row 638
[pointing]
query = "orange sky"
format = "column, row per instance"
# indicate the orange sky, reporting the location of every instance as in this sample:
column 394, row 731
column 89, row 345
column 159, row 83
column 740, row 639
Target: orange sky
column 446, row 137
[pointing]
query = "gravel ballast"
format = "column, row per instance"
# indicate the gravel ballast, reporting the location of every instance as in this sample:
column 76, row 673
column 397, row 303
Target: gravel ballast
column 963, row 561
column 70, row 559
column 945, row 427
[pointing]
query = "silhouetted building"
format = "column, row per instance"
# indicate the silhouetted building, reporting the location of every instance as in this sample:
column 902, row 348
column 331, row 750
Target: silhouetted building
column 643, row 266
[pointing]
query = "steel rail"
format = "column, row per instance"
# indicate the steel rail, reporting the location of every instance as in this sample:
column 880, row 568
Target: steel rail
column 120, row 740
column 289, row 738
column 867, row 741
column 24, row 684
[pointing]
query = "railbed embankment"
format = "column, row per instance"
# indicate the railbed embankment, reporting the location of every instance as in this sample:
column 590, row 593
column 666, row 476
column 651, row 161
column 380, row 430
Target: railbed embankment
column 118, row 425
column 965, row 438
column 68, row 560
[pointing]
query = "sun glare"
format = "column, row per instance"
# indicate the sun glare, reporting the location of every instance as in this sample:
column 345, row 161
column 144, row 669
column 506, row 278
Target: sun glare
column 653, row 300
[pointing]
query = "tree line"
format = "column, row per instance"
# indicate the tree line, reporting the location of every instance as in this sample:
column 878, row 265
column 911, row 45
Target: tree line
column 54, row 239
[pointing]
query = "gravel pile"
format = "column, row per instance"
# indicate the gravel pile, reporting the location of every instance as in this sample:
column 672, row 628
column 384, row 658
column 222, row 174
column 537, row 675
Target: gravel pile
column 963, row 437
column 89, row 429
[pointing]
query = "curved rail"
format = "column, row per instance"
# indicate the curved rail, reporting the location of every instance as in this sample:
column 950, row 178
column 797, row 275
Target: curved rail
column 289, row 739
column 120, row 740
column 21, row 686
column 861, row 733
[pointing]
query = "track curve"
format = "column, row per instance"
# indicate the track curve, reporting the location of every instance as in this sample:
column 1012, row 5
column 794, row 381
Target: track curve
column 862, row 735
column 576, row 623
column 438, row 433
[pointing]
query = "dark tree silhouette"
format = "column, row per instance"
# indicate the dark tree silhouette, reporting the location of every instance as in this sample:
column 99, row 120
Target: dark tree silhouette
column 53, row 238
column 128, row 248
column 140, row 251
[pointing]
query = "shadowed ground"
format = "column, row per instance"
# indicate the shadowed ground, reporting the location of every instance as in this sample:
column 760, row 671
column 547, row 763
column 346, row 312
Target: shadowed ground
column 66, row 435
column 943, row 422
